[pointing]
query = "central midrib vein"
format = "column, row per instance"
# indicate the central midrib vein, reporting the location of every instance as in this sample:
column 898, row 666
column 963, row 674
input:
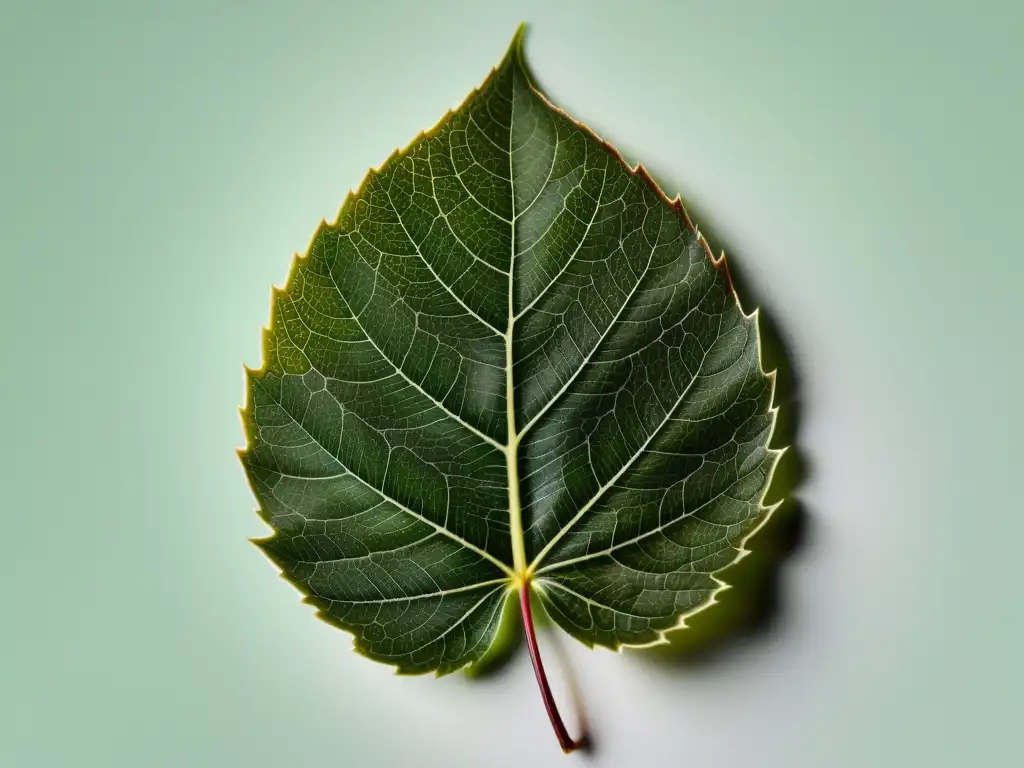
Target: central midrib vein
column 515, row 507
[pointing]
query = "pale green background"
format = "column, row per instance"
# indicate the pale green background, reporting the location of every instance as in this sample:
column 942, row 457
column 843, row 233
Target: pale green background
column 160, row 164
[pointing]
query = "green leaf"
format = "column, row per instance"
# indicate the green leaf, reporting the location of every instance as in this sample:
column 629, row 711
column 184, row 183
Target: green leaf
column 511, row 362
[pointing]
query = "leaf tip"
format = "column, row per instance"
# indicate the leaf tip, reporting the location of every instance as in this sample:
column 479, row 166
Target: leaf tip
column 514, row 55
column 517, row 39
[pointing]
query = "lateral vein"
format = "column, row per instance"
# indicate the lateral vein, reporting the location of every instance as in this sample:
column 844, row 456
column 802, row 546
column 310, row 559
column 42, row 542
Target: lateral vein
column 440, row 528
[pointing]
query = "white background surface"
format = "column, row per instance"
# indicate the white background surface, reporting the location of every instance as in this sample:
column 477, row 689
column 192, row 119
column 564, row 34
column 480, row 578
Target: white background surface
column 863, row 162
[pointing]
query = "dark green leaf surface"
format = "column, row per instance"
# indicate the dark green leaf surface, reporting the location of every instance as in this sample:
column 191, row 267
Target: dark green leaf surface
column 510, row 360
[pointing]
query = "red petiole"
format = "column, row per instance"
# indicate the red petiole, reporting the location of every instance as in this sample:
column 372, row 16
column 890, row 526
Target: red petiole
column 566, row 741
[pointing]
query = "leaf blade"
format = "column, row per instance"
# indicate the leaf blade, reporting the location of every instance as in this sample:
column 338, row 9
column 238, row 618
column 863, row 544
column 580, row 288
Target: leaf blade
column 595, row 444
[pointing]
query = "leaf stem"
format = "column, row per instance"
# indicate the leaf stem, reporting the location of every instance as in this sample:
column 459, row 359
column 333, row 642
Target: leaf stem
column 566, row 741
